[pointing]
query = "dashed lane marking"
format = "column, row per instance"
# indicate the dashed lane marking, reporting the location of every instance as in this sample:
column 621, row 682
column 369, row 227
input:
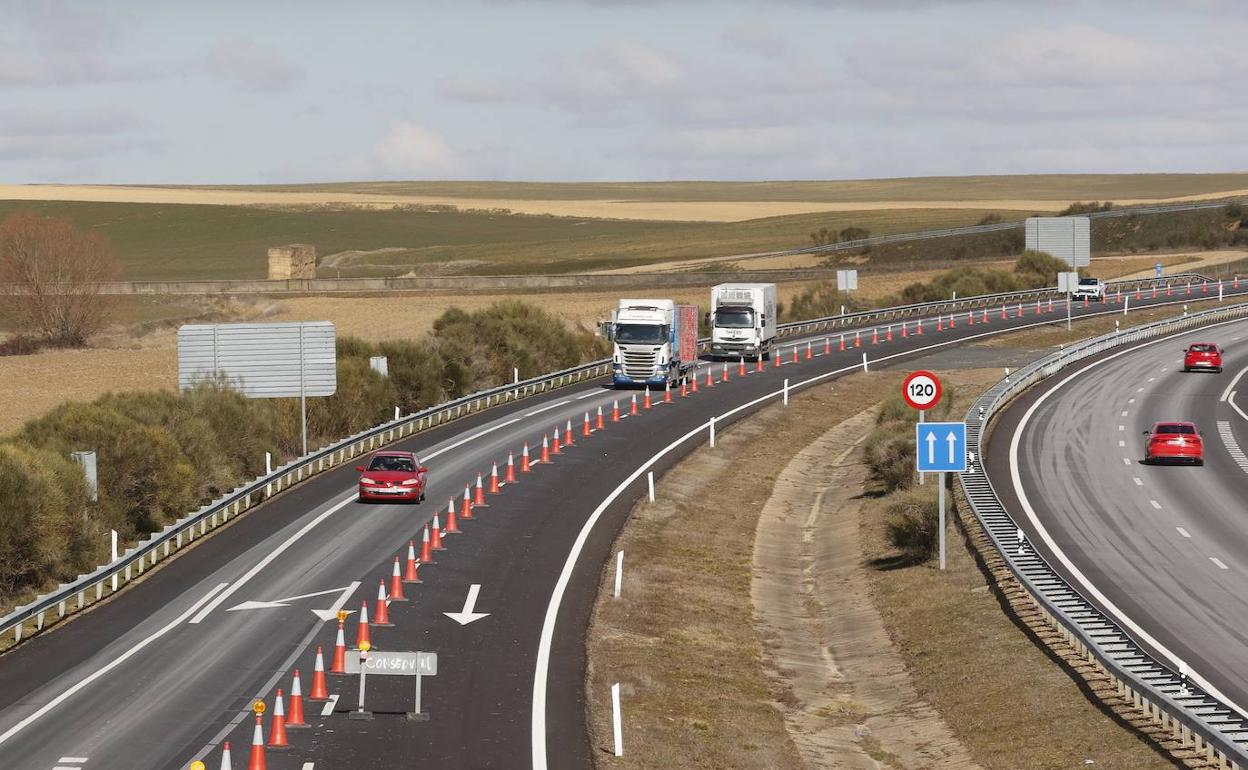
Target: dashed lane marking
column 1218, row 562
column 1183, row 532
column 328, row 708
column 1121, row 442
column 1157, row 505
column 1138, row 481
column 1122, row 427
column 1126, row 461
column 1124, row 413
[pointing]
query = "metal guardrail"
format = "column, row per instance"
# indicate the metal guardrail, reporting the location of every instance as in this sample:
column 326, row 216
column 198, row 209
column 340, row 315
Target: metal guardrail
column 1196, row 718
column 142, row 556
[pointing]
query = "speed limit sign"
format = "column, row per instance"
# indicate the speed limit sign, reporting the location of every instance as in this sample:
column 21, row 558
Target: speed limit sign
column 921, row 390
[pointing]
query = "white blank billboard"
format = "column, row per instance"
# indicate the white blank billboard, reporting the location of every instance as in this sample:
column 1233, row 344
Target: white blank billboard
column 264, row 360
column 1067, row 238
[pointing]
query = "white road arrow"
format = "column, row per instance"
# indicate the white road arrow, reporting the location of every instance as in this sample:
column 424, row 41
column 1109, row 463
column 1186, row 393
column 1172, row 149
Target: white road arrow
column 953, row 441
column 344, row 594
column 931, row 449
column 466, row 616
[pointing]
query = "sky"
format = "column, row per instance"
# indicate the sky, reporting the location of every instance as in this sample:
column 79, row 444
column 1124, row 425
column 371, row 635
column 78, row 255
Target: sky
column 617, row 90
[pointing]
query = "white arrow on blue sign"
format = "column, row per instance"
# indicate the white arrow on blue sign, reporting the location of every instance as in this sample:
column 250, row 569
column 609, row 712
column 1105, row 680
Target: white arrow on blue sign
column 940, row 447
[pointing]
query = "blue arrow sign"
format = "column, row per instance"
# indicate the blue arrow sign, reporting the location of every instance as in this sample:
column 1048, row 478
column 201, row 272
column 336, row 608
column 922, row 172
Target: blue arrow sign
column 940, row 446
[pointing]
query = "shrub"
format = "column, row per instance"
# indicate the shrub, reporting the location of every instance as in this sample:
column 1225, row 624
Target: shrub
column 889, row 454
column 912, row 523
column 990, row 219
column 1234, row 210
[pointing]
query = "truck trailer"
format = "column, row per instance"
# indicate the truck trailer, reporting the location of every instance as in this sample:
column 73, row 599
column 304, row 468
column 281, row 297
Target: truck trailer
column 743, row 320
column 656, row 342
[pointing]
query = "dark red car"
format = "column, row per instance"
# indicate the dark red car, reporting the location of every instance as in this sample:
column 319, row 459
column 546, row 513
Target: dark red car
column 1176, row 442
column 1202, row 355
column 395, row 476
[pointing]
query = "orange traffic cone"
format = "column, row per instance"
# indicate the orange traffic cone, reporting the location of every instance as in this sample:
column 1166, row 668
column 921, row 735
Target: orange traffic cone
column 693, row 382
column 827, row 346
column 524, row 459
column 226, row 764
column 478, row 499
column 1050, row 304
column 1022, row 311
column 667, row 392
column 903, row 329
column 615, row 410
column 684, row 389
column 382, row 619
column 295, row 719
column 396, row 583
column 510, row 478
column 256, row 762
column 741, row 367
column 918, row 328
column 1235, row 283
column 568, row 434
column 777, row 359
column 1204, row 287
column 842, row 345
column 940, row 324
column 410, row 575
column 493, row 490
column 599, row 424
column 545, row 455
column 857, row 339
column 710, row 381
column 970, row 317
column 1004, row 315
column 586, row 428
column 1085, row 301
column 952, row 321
column 875, row 336
column 277, row 728
column 724, row 376
column 426, row 546
column 984, row 318
column 1039, row 311
column 435, row 536
column 465, row 511
column 809, row 353
column 339, row 663
column 888, row 334
column 320, row 688
column 632, row 409
column 452, row 525
column 556, row 444
column 645, row 404
column 795, row 359
column 758, row 362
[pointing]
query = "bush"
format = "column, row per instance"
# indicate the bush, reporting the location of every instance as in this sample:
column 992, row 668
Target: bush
column 913, row 523
column 1079, row 207
column 1234, row 210
column 990, row 219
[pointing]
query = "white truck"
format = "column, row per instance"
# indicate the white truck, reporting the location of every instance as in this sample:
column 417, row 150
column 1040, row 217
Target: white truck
column 743, row 320
column 656, row 342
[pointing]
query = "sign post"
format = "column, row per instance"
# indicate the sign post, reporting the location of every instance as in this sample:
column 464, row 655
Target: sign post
column 921, row 390
column 1066, row 284
column 940, row 447
column 417, row 664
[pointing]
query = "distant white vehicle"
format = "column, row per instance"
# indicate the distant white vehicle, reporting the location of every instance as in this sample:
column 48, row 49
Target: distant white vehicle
column 1092, row 288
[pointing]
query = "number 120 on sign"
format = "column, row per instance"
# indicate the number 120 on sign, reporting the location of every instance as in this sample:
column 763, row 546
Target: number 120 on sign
column 921, row 390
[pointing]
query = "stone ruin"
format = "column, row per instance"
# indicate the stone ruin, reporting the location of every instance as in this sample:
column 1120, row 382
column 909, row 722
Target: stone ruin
column 298, row 260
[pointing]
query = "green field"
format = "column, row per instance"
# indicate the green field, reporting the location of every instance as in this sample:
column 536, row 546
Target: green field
column 1053, row 187
column 186, row 242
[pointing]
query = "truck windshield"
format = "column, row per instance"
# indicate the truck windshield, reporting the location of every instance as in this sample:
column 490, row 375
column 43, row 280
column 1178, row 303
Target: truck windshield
column 734, row 318
column 653, row 334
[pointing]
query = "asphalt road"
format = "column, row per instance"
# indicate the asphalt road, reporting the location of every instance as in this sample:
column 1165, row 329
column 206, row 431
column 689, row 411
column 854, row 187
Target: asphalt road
column 1166, row 546
column 137, row 684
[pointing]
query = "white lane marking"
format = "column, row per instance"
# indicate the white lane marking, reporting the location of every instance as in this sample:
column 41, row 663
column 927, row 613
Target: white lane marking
column 586, row 395
column 1152, row 379
column 112, row 664
column 1139, row 390
column 548, row 407
column 328, row 708
column 309, row 766
column 1124, row 413
column 1165, row 368
column 1126, row 461
column 72, row 760
column 1156, row 505
column 1227, row 394
column 1138, row 481
column 1121, row 442
column 1218, row 562
column 1232, row 446
column 1235, row 406
column 1130, row 400
column 1184, row 532
column 1122, row 427
column 1060, row 555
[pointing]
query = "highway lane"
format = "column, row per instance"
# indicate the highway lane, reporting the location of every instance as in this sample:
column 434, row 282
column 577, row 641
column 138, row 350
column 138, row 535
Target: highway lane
column 1167, row 546
column 178, row 695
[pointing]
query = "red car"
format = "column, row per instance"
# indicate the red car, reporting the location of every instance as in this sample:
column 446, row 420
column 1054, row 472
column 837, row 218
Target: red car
column 1177, row 442
column 1202, row 355
column 393, row 476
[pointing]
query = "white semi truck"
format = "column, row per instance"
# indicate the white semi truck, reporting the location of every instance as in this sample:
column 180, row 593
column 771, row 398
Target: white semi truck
column 656, row 342
column 743, row 320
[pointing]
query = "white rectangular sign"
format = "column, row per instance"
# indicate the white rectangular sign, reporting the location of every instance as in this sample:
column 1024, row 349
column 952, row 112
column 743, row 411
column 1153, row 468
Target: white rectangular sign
column 1067, row 238
column 847, row 280
column 395, row 663
column 1067, row 282
column 261, row 360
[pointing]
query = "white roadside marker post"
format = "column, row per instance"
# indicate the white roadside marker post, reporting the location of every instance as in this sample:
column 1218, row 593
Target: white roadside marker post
column 619, row 572
column 650, row 484
column 617, row 726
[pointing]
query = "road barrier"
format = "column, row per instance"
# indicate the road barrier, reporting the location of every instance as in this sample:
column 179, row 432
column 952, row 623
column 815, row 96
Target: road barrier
column 1199, row 719
column 87, row 589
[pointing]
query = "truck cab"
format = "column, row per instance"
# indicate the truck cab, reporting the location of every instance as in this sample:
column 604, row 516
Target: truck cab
column 743, row 320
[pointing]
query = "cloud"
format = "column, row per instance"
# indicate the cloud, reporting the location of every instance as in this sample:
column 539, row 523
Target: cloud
column 251, row 67
column 473, row 90
column 56, row 43
column 411, row 150
column 83, row 134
